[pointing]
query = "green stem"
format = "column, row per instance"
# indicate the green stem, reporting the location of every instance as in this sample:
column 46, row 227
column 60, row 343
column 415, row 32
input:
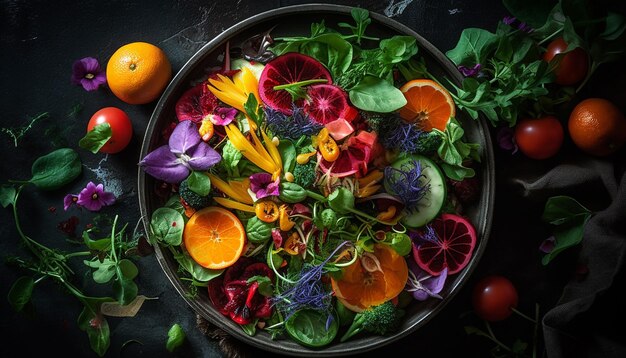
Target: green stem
column 495, row 340
column 80, row 253
column 550, row 37
column 592, row 69
column 18, row 182
column 316, row 196
column 523, row 315
column 369, row 217
column 113, row 239
column 300, row 84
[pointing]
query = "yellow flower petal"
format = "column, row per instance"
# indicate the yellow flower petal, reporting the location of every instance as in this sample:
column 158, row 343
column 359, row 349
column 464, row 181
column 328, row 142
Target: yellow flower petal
column 247, row 149
column 228, row 190
column 250, row 83
column 273, row 150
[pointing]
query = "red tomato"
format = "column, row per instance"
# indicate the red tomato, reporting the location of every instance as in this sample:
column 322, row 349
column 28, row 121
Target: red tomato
column 572, row 67
column 121, row 128
column 539, row 138
column 493, row 298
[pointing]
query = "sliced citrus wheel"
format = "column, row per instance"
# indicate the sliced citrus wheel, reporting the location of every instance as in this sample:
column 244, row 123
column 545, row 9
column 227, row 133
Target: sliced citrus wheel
column 428, row 104
column 285, row 69
column 325, row 103
column 214, row 237
column 365, row 284
column 452, row 248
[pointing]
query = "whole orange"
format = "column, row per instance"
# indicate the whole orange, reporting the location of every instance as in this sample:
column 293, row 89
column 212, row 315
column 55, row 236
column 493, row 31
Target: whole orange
column 138, row 72
column 597, row 126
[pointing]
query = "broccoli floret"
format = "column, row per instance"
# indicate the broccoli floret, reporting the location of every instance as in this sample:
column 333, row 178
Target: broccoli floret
column 191, row 198
column 305, row 174
column 428, row 143
column 381, row 319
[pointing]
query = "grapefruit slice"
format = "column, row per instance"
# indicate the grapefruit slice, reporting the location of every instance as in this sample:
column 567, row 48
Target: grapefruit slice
column 286, row 69
column 427, row 103
column 325, row 103
column 453, row 248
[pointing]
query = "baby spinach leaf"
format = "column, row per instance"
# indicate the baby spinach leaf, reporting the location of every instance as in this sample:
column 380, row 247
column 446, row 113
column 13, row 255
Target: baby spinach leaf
column 128, row 269
column 167, row 226
column 96, row 326
column 96, row 138
column 196, row 271
column 376, row 95
column 288, row 155
column 341, row 200
column 199, row 183
column 124, row 289
column 175, row 337
column 569, row 218
column 56, row 169
column 20, row 293
column 310, row 328
column 98, row 245
column 473, row 47
column 258, row 231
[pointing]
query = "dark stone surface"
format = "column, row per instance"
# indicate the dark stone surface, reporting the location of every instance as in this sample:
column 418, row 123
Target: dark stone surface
column 39, row 40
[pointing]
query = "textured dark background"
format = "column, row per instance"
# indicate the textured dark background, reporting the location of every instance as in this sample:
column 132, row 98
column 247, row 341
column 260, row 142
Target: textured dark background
column 39, row 41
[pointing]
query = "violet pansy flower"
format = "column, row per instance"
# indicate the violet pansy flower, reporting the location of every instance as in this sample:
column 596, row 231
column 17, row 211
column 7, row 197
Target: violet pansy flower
column 223, row 116
column 184, row 152
column 470, row 71
column 88, row 73
column 262, row 185
column 93, row 197
column 422, row 285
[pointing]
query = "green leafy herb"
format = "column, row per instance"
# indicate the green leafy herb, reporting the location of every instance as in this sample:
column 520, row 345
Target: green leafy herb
column 96, row 326
column 20, row 293
column 453, row 151
column 265, row 285
column 309, row 328
column 197, row 272
column 288, row 154
column 401, row 243
column 175, row 337
column 96, row 138
column 568, row 218
column 18, row 133
column 199, row 183
column 7, row 195
column 376, row 95
column 253, row 110
column 362, row 20
column 258, row 231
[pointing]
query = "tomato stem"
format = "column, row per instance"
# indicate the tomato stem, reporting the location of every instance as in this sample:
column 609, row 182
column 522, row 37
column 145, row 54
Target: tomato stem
column 523, row 315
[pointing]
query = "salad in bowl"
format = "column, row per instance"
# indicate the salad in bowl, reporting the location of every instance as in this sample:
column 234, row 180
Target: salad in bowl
column 316, row 188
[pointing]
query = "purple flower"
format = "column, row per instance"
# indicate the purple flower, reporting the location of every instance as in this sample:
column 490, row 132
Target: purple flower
column 470, row 72
column 69, row 200
column 262, row 185
column 547, row 245
column 87, row 73
column 223, row 116
column 428, row 234
column 525, row 27
column 506, row 139
column 185, row 152
column 93, row 197
column 422, row 285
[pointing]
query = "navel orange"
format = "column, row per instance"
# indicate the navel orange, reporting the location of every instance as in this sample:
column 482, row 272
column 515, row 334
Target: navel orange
column 428, row 104
column 214, row 237
column 597, row 126
column 137, row 73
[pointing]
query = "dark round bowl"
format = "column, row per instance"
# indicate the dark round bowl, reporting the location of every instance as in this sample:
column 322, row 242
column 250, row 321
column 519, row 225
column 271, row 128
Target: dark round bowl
column 296, row 20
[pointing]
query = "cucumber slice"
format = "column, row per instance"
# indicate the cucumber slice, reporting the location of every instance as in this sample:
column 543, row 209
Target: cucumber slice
column 430, row 205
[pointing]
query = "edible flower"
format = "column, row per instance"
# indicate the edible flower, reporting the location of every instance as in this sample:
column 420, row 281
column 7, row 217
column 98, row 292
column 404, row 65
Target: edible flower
column 407, row 183
column 506, row 139
column 234, row 92
column 470, row 71
column 237, row 190
column 184, row 152
column 262, row 185
column 267, row 211
column 291, row 127
column 88, row 73
column 284, row 221
column 265, row 157
column 221, row 117
column 92, row 197
column 422, row 285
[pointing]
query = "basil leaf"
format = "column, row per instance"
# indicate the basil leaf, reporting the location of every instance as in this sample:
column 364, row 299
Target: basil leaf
column 376, row 95
column 56, row 169
column 96, row 138
column 7, row 196
column 341, row 200
column 175, row 337
column 258, row 231
column 21, row 292
column 473, row 47
column 310, row 328
column 288, row 155
column 167, row 226
column 569, row 218
column 199, row 183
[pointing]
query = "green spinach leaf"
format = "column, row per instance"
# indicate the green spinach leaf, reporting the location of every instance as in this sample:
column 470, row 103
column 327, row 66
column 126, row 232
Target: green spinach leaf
column 56, row 169
column 21, row 292
column 175, row 337
column 167, row 226
column 376, row 95
column 199, row 183
column 568, row 218
column 96, row 138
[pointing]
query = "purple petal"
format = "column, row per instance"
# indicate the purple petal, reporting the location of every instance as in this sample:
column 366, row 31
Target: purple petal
column 184, row 137
column 90, row 65
column 508, row 20
column 273, row 187
column 89, row 85
column 107, row 198
column 223, row 116
column 203, row 157
column 547, row 245
column 259, row 181
column 261, row 193
column 420, row 295
column 435, row 283
column 69, row 200
column 162, row 164
column 506, row 139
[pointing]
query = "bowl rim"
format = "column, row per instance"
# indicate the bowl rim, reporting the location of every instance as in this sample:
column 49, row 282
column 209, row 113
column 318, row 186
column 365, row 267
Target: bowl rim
column 484, row 220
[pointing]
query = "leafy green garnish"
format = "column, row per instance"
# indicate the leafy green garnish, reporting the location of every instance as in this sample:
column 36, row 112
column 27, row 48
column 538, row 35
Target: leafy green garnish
column 568, row 218
column 175, row 337
column 453, row 151
column 96, row 138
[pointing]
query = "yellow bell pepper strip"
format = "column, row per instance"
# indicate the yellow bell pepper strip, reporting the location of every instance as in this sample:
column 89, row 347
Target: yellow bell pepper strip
column 232, row 189
column 284, row 221
column 388, row 214
column 267, row 211
column 231, row 204
column 327, row 145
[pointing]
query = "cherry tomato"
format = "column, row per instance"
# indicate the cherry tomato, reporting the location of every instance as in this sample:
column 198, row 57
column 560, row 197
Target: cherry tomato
column 121, row 128
column 493, row 298
column 572, row 67
column 539, row 138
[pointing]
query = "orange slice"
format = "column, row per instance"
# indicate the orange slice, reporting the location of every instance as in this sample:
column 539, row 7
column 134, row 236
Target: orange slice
column 428, row 104
column 214, row 237
column 360, row 288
